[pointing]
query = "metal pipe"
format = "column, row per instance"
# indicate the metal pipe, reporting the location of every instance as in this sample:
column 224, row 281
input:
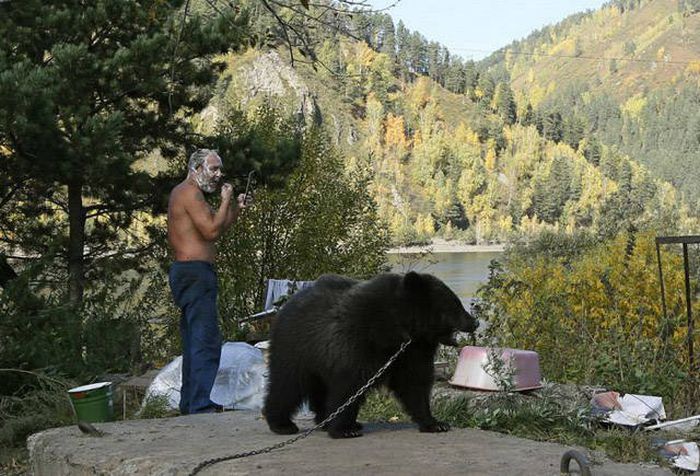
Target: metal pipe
column 688, row 306
column 671, row 423
column 661, row 279
column 259, row 315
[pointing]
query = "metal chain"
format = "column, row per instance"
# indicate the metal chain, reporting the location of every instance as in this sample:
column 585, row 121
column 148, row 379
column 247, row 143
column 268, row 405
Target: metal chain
column 308, row 431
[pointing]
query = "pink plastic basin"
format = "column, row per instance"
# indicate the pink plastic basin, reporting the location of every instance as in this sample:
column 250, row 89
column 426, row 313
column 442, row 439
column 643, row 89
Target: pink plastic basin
column 473, row 362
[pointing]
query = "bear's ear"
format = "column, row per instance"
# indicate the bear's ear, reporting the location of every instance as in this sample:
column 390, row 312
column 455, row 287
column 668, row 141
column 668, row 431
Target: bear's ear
column 413, row 283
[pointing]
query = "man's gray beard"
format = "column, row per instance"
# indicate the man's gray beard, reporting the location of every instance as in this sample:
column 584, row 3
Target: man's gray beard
column 208, row 186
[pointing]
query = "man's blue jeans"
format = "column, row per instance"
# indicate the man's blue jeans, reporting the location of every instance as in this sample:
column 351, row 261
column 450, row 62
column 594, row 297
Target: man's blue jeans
column 194, row 288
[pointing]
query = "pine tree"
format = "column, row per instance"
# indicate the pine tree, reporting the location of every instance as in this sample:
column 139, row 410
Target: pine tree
column 505, row 103
column 592, row 151
column 528, row 118
column 86, row 90
column 454, row 76
column 388, row 44
column 402, row 50
column 552, row 127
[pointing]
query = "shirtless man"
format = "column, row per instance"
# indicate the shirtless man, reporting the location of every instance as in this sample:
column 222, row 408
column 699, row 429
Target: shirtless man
column 193, row 228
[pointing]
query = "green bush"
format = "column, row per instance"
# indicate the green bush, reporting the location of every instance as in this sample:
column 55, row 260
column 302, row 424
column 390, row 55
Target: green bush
column 593, row 313
column 43, row 403
column 323, row 220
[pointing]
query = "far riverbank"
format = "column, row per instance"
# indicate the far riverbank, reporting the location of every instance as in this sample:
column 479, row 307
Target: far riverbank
column 439, row 245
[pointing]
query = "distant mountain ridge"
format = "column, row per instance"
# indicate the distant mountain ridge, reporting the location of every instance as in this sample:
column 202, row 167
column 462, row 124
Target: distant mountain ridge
column 629, row 73
column 482, row 151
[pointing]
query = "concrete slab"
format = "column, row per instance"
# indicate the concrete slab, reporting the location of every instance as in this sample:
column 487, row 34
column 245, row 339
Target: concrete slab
column 174, row 446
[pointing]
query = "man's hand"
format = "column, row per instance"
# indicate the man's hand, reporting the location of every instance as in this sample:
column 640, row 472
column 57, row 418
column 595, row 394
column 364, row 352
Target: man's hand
column 226, row 191
column 244, row 200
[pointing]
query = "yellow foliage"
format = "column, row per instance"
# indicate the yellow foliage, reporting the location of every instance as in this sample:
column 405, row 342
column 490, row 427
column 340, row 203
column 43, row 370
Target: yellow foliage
column 420, row 93
column 447, row 231
column 400, row 228
column 693, row 67
column 509, row 58
column 395, row 131
column 634, row 106
column 604, row 301
column 425, row 227
column 365, row 55
column 505, row 227
column 442, row 197
column 490, row 161
column 661, row 54
column 470, row 182
column 537, row 95
column 566, row 47
column 417, row 138
column 464, row 134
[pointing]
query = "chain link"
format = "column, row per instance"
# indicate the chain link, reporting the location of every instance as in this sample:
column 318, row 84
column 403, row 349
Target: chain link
column 308, row 431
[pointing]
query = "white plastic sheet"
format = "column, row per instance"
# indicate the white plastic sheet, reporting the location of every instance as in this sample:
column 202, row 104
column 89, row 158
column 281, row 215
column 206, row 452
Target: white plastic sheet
column 240, row 381
column 630, row 410
column 638, row 409
column 682, row 454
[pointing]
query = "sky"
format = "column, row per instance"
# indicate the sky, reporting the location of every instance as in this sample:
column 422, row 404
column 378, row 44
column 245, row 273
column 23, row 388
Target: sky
column 473, row 29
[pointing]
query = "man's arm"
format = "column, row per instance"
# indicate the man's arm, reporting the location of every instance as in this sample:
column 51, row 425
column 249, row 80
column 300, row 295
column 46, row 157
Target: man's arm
column 210, row 224
column 235, row 210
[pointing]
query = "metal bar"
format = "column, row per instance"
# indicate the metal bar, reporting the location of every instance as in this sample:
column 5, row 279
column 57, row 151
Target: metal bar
column 664, row 240
column 259, row 315
column 672, row 423
column 688, row 306
column 661, row 279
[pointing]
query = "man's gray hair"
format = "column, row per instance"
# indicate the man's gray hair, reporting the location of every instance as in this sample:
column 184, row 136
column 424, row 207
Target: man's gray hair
column 199, row 156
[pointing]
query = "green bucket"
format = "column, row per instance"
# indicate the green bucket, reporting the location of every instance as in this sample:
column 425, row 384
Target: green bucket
column 93, row 403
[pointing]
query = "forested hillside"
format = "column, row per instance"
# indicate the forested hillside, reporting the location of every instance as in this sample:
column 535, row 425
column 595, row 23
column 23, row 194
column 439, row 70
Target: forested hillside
column 627, row 76
column 550, row 137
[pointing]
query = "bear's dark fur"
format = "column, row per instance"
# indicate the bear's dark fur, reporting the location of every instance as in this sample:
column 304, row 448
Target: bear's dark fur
column 329, row 339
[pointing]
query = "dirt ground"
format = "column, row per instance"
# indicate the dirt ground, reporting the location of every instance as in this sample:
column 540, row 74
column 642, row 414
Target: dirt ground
column 175, row 446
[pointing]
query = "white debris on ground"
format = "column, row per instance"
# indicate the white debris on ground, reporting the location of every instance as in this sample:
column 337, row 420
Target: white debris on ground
column 637, row 410
column 240, row 382
column 682, row 454
column 629, row 410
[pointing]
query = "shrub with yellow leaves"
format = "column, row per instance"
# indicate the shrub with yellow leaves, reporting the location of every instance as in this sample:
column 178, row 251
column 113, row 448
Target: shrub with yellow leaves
column 593, row 312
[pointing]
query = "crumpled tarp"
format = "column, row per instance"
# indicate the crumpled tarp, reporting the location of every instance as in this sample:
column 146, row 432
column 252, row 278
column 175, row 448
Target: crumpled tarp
column 240, row 382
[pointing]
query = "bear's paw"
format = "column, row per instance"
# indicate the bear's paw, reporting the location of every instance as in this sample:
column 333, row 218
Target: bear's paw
column 289, row 429
column 351, row 432
column 435, row 427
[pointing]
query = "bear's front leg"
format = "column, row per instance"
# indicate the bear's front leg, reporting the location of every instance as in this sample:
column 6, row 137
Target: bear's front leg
column 344, row 425
column 412, row 385
column 416, row 402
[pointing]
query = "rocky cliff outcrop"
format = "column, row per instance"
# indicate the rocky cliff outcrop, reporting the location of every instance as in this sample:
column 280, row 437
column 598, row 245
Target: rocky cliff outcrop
column 268, row 77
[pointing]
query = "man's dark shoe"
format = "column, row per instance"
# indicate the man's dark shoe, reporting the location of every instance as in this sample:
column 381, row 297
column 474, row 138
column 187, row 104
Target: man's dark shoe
column 214, row 408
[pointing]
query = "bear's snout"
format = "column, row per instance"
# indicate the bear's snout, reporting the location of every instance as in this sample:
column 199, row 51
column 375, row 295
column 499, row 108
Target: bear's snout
column 468, row 323
column 463, row 322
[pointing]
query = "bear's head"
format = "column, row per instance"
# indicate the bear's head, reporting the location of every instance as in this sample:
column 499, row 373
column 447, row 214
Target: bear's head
column 436, row 311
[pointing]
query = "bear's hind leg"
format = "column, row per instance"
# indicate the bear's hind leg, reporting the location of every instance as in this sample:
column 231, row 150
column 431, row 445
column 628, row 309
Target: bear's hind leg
column 317, row 400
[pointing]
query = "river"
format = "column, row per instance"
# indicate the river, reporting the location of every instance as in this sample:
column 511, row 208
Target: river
column 462, row 272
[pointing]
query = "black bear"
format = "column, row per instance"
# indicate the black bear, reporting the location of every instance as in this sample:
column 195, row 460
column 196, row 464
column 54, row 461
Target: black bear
column 329, row 339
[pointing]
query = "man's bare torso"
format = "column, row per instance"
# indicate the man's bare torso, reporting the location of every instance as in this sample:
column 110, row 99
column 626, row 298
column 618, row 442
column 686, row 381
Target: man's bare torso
column 187, row 242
